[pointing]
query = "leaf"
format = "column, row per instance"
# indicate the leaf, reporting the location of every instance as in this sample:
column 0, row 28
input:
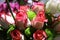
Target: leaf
column 49, row 33
column 31, row 14
column 50, row 38
column 48, row 16
column 27, row 31
column 10, row 29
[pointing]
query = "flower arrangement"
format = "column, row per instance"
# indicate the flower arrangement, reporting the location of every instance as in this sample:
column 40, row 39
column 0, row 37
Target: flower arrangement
column 36, row 21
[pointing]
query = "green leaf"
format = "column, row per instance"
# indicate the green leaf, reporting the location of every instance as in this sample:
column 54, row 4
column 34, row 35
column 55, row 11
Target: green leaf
column 31, row 14
column 49, row 33
column 48, row 16
column 50, row 38
column 27, row 31
column 11, row 28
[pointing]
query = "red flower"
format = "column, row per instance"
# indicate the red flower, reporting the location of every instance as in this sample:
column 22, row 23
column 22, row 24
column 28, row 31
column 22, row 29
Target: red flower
column 15, row 34
column 39, row 20
column 41, row 16
column 39, row 35
column 21, row 19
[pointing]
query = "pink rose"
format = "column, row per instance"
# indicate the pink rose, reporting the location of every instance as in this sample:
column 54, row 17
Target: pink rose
column 25, row 7
column 39, row 20
column 15, row 34
column 38, row 6
column 39, row 35
column 21, row 19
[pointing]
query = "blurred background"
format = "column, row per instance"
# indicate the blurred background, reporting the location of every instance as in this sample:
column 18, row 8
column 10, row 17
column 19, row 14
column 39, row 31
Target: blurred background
column 1, row 1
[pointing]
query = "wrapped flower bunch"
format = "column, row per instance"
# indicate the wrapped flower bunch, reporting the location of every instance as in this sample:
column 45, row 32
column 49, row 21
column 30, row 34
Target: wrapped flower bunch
column 29, row 20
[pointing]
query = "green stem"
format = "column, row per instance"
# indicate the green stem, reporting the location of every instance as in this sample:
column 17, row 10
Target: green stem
column 10, row 9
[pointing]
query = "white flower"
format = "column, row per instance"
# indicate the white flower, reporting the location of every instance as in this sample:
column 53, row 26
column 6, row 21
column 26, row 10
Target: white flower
column 8, row 18
column 53, row 6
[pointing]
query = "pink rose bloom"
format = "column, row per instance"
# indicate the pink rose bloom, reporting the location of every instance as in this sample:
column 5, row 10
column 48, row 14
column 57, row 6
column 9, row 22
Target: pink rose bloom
column 40, row 35
column 39, row 20
column 15, row 34
column 38, row 6
column 21, row 20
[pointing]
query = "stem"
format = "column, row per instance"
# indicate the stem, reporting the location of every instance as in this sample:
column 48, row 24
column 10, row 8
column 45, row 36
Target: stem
column 10, row 9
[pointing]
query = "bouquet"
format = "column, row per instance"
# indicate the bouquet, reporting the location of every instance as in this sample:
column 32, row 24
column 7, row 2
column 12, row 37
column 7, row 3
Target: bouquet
column 20, row 20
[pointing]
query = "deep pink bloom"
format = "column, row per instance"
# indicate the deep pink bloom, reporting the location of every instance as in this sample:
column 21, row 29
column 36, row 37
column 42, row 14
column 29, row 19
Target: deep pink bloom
column 39, row 35
column 39, row 20
column 21, row 19
column 15, row 34
column 41, row 16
